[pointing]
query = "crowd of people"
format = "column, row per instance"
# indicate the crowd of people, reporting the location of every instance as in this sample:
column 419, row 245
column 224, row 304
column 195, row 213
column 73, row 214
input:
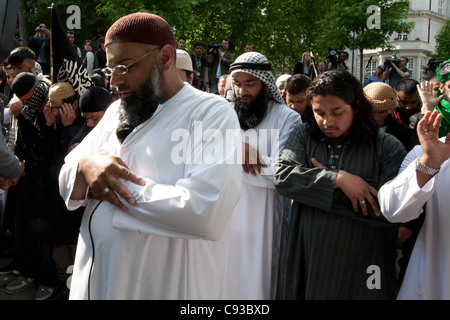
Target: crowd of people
column 41, row 122
column 206, row 176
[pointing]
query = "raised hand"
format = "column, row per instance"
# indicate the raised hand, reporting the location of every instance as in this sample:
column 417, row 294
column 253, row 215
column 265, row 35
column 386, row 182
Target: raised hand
column 68, row 115
column 435, row 151
column 48, row 114
column 428, row 96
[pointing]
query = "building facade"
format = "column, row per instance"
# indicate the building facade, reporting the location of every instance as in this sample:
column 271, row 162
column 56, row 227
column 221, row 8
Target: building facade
column 429, row 17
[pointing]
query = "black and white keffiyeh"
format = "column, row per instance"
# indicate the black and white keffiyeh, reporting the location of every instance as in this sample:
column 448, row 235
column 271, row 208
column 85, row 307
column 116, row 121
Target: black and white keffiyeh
column 257, row 65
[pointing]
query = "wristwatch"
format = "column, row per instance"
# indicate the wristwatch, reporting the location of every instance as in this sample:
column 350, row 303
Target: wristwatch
column 426, row 169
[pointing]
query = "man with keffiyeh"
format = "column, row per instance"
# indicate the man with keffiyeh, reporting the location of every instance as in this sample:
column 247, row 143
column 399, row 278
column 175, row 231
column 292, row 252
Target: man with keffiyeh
column 256, row 223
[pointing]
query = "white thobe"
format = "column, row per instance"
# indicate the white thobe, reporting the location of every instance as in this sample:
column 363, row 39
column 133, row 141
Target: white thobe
column 172, row 244
column 257, row 218
column 428, row 272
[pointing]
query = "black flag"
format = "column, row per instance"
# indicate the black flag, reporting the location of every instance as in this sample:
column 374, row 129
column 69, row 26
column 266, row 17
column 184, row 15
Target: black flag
column 66, row 64
column 9, row 10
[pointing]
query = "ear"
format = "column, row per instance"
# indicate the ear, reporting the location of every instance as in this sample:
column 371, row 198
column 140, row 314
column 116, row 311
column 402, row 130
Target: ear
column 75, row 105
column 166, row 58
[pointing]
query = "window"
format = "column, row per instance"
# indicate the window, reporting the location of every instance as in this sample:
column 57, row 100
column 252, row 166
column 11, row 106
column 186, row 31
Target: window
column 402, row 36
column 441, row 7
column 410, row 66
column 371, row 67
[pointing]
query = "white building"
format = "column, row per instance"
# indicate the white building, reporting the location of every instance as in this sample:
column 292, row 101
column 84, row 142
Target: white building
column 429, row 17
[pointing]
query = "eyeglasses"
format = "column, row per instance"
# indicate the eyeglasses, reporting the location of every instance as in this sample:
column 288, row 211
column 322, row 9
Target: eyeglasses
column 122, row 69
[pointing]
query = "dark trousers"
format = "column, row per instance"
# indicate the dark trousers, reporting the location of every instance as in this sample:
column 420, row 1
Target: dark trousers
column 33, row 231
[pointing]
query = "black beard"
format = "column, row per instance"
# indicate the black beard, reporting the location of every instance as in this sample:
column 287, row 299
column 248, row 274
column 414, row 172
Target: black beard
column 252, row 114
column 139, row 107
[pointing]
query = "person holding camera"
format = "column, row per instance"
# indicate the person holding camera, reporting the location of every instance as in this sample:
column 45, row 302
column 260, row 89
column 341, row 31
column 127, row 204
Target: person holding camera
column 220, row 60
column 396, row 71
column 377, row 76
column 200, row 67
column 336, row 59
column 432, row 65
column 40, row 44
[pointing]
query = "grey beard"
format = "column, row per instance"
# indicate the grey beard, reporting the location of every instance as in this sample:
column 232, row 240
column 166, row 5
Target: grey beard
column 137, row 108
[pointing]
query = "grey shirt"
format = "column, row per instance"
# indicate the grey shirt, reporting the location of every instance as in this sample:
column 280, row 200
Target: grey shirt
column 9, row 165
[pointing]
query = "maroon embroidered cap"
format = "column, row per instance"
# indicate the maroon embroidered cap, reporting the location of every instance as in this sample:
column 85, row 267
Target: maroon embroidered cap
column 141, row 27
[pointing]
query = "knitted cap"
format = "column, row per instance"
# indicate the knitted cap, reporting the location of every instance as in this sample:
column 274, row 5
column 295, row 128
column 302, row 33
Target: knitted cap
column 95, row 99
column 141, row 27
column 60, row 91
column 381, row 96
column 23, row 83
column 184, row 60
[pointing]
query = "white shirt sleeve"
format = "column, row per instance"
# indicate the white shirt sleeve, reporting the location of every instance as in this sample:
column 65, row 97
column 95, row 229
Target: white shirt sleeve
column 401, row 199
column 277, row 135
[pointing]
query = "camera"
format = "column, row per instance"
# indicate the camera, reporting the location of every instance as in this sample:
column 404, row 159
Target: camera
column 215, row 48
column 389, row 62
column 433, row 64
column 41, row 30
column 333, row 54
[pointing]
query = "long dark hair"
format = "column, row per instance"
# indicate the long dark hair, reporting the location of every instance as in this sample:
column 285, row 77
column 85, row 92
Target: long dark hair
column 344, row 85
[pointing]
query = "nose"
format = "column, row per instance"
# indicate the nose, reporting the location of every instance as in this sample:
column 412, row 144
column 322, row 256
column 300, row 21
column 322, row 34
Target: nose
column 327, row 120
column 240, row 91
column 116, row 79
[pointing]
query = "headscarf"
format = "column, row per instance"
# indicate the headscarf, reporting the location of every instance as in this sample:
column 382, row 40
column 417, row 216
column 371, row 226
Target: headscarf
column 443, row 71
column 257, row 65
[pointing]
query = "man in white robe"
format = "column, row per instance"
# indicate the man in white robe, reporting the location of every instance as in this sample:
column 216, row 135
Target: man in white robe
column 158, row 176
column 257, row 218
column 424, row 179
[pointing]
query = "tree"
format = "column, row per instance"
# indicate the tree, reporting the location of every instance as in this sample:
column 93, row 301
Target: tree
column 92, row 24
column 443, row 41
column 281, row 30
column 350, row 25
